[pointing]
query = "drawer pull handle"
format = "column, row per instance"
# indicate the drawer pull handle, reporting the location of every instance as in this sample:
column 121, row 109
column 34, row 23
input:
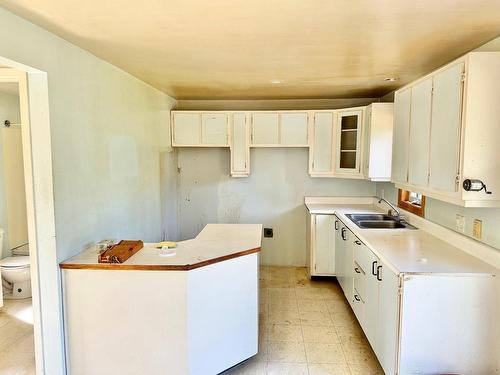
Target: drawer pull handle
column 374, row 263
column 356, row 297
column 357, row 270
column 378, row 273
column 342, row 234
column 357, row 242
column 336, row 225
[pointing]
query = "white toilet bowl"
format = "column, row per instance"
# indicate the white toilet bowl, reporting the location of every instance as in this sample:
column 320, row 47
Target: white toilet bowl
column 16, row 278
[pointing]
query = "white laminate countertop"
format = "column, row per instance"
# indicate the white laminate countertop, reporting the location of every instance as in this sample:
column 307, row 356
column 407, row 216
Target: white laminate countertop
column 407, row 250
column 216, row 242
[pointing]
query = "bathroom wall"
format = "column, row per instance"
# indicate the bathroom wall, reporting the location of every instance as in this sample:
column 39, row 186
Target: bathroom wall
column 273, row 195
column 11, row 154
column 444, row 214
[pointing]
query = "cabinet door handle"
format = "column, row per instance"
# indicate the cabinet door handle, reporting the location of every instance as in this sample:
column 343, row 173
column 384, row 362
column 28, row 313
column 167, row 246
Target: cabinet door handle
column 357, row 242
column 336, row 225
column 357, row 270
column 356, row 297
column 378, row 273
column 374, row 263
column 342, row 234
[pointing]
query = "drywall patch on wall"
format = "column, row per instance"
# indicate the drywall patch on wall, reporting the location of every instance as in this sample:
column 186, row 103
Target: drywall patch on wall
column 273, row 195
column 444, row 214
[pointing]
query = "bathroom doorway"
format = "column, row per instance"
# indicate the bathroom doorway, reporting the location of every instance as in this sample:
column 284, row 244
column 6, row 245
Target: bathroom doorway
column 36, row 336
column 17, row 354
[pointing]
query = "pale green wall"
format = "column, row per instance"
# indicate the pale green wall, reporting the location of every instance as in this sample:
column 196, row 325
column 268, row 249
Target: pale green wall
column 9, row 110
column 444, row 214
column 107, row 128
column 273, row 195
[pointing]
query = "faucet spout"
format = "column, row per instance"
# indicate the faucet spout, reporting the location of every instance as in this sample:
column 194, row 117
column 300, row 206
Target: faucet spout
column 398, row 213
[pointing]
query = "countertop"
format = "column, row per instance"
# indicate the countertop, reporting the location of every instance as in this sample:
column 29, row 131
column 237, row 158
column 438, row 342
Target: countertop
column 215, row 243
column 406, row 250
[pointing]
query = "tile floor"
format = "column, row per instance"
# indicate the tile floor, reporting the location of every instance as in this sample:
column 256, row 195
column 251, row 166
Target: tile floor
column 17, row 355
column 306, row 328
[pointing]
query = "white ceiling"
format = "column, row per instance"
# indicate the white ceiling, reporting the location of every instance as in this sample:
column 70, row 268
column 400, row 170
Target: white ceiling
column 213, row 49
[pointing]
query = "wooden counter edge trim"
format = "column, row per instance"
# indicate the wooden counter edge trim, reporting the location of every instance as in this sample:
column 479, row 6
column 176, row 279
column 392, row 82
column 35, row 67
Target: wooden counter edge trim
column 154, row 267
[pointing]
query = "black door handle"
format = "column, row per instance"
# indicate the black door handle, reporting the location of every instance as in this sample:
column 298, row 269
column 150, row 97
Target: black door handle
column 374, row 263
column 357, row 270
column 357, row 242
column 378, row 273
column 356, row 297
column 342, row 234
column 336, row 225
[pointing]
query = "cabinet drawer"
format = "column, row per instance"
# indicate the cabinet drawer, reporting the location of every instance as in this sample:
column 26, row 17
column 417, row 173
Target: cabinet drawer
column 359, row 279
column 358, row 306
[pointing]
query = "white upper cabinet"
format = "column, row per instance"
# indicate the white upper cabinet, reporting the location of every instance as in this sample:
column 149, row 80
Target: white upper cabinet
column 265, row 129
column 348, row 134
column 196, row 129
column 321, row 157
column 420, row 127
column 294, row 129
column 214, row 129
column 402, row 101
column 186, row 129
column 240, row 146
column 445, row 130
column 377, row 141
column 453, row 137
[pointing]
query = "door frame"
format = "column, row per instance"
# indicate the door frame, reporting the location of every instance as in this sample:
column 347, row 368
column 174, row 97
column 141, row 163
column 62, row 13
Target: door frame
column 37, row 159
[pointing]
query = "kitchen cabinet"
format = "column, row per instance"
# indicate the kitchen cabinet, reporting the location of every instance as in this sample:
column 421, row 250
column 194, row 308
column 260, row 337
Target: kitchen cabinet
column 345, row 271
column 420, row 126
column 421, row 322
column 402, row 101
column 321, row 153
column 294, row 129
column 265, row 129
column 214, row 129
column 453, row 131
column 321, row 245
column 196, row 129
column 377, row 141
column 348, row 133
column 240, row 146
column 445, row 131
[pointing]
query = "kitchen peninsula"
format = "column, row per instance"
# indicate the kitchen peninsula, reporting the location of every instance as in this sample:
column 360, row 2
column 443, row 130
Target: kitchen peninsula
column 192, row 313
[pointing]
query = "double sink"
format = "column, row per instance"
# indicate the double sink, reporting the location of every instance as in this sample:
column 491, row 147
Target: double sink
column 378, row 221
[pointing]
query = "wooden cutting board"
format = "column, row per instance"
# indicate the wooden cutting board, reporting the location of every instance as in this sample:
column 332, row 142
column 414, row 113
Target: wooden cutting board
column 120, row 252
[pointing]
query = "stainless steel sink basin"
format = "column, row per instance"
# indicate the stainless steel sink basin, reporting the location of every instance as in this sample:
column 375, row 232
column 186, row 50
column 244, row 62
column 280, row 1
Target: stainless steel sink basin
column 378, row 221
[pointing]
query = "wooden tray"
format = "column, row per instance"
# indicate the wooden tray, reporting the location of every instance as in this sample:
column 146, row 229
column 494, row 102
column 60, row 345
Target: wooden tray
column 120, row 252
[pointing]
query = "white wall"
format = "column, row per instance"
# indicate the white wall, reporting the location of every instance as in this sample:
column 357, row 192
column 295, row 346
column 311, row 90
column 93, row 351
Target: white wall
column 9, row 110
column 273, row 195
column 106, row 137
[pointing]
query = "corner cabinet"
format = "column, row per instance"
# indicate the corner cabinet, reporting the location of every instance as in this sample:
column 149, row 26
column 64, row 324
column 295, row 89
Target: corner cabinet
column 446, row 131
column 377, row 141
column 321, row 244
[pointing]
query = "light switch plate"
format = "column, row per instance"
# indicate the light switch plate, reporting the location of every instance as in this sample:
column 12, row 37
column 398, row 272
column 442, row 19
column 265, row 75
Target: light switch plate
column 477, row 230
column 460, row 223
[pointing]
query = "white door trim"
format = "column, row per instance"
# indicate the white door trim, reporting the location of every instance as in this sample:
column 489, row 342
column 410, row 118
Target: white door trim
column 37, row 155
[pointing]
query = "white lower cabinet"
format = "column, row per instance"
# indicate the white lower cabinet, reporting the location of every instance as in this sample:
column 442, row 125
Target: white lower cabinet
column 420, row 323
column 321, row 245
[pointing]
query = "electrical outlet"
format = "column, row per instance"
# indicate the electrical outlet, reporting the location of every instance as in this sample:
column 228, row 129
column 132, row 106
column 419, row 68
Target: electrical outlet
column 477, row 230
column 268, row 232
column 460, row 223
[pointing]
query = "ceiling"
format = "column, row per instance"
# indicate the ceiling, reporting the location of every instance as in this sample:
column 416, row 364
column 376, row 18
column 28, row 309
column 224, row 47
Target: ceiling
column 262, row 49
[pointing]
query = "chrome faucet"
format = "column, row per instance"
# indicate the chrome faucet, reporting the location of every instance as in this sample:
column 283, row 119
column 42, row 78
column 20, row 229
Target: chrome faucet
column 398, row 213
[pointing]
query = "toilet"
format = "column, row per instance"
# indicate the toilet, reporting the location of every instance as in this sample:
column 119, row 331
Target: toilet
column 15, row 271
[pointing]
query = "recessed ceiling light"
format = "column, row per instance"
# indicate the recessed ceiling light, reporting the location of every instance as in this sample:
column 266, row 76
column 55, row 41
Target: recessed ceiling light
column 276, row 81
column 390, row 79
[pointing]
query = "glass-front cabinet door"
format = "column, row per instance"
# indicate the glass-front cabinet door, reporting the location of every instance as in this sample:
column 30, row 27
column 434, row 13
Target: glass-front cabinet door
column 349, row 141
